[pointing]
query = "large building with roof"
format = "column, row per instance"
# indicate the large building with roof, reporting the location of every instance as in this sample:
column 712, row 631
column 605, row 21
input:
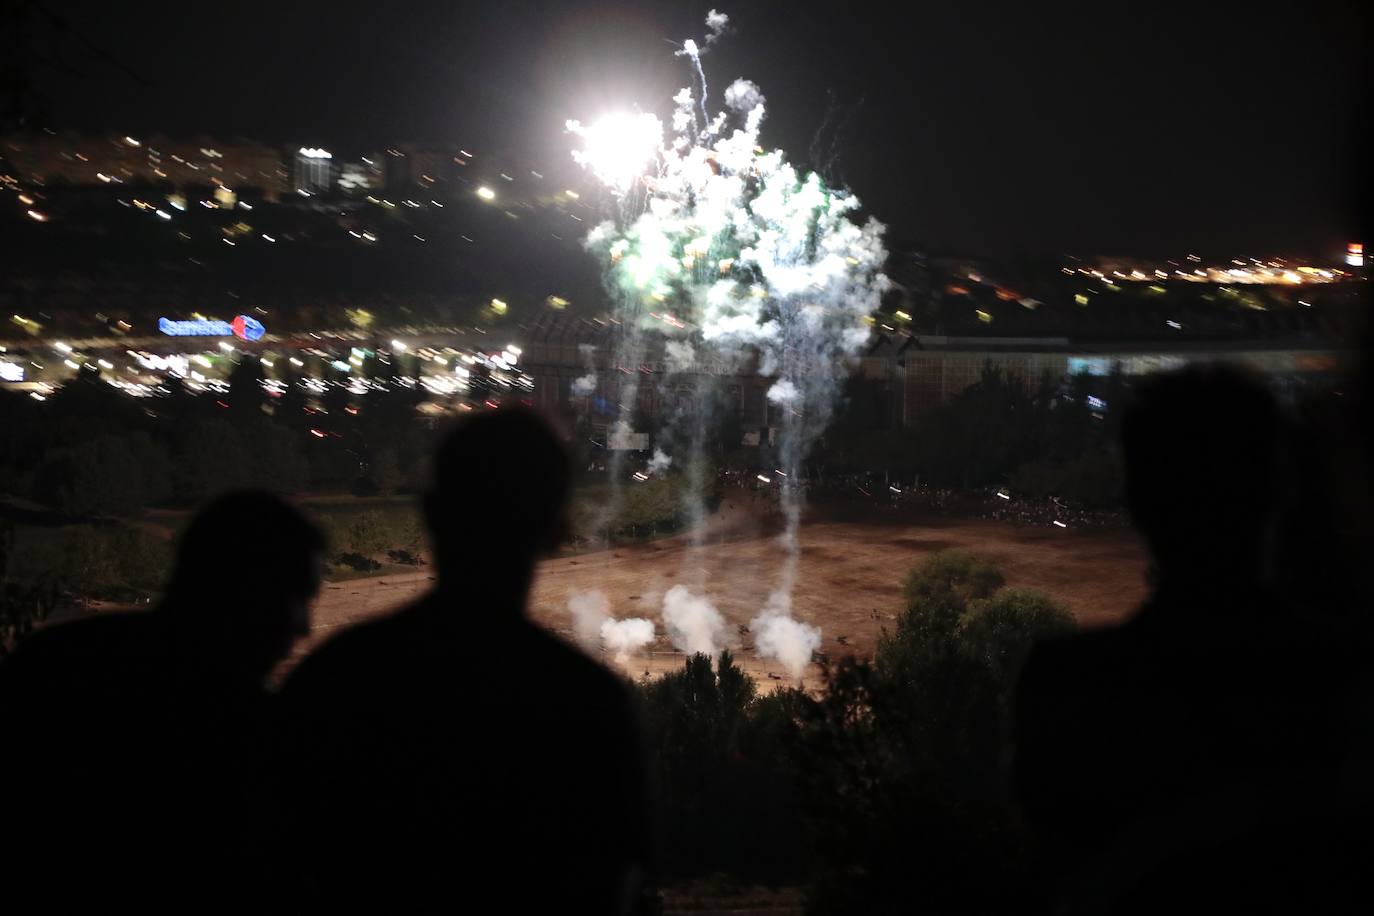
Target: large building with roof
column 931, row 354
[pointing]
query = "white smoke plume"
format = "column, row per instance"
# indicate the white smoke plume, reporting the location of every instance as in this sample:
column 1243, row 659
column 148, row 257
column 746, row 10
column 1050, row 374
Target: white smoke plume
column 681, row 355
column 692, row 622
column 784, row 392
column 590, row 611
column 625, row 637
column 715, row 25
column 659, row 464
column 584, row 385
column 777, row 635
column 743, row 96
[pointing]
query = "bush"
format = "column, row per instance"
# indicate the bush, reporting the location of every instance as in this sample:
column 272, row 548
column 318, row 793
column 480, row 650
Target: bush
column 275, row 461
column 903, row 758
column 367, row 533
column 112, row 562
column 28, row 587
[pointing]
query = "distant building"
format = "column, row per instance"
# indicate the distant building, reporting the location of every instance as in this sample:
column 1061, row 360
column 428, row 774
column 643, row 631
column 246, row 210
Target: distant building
column 50, row 157
column 414, row 169
column 314, row 171
column 361, row 177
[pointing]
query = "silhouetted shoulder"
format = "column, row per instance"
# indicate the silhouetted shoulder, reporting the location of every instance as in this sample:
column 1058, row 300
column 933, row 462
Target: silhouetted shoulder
column 1075, row 695
column 418, row 635
column 1065, row 661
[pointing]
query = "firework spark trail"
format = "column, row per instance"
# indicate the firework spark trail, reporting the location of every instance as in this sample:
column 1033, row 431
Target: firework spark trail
column 751, row 256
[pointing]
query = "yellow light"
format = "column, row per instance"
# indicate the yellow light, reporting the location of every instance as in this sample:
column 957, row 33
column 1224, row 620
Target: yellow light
column 486, row 193
column 498, row 306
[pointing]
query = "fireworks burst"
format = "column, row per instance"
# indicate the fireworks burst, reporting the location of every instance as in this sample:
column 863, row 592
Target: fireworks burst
column 746, row 254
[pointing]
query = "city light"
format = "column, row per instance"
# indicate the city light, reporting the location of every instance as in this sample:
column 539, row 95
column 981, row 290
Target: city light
column 310, row 152
column 486, row 193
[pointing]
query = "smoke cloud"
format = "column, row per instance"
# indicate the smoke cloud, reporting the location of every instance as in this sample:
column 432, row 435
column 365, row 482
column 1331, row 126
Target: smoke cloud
column 585, row 385
column 681, row 355
column 784, row 392
column 595, row 629
column 692, row 622
column 777, row 635
column 589, row 610
column 743, row 96
column 623, row 638
column 659, row 464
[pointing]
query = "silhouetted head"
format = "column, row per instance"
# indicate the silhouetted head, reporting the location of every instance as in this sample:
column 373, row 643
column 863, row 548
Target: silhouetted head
column 247, row 568
column 498, row 501
column 1201, row 448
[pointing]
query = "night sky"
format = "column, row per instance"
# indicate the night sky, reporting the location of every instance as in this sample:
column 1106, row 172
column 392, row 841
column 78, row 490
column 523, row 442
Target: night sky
column 1025, row 128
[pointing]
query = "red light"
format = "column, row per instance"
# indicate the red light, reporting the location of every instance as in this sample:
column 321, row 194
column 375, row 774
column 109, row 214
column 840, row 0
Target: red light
column 1355, row 248
column 221, row 403
column 317, row 434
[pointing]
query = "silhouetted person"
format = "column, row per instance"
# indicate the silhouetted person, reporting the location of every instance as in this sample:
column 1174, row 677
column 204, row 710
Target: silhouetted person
column 135, row 740
column 1183, row 755
column 453, row 754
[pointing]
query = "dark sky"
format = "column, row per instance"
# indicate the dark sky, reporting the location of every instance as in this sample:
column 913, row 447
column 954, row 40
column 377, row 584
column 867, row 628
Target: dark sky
column 990, row 128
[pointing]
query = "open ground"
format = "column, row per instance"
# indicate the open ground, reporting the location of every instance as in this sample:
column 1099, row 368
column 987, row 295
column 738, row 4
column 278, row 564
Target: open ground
column 850, row 582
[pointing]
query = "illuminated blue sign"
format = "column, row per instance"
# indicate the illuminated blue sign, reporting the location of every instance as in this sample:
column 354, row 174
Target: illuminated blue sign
column 242, row 327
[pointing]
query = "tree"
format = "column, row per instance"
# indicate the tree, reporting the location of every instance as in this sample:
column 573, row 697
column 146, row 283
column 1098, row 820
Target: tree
column 246, row 395
column 1000, row 631
column 155, row 467
column 721, row 774
column 275, row 460
column 212, row 460
column 944, row 585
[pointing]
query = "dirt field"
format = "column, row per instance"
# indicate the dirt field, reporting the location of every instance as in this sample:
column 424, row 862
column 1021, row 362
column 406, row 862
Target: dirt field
column 849, row 584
